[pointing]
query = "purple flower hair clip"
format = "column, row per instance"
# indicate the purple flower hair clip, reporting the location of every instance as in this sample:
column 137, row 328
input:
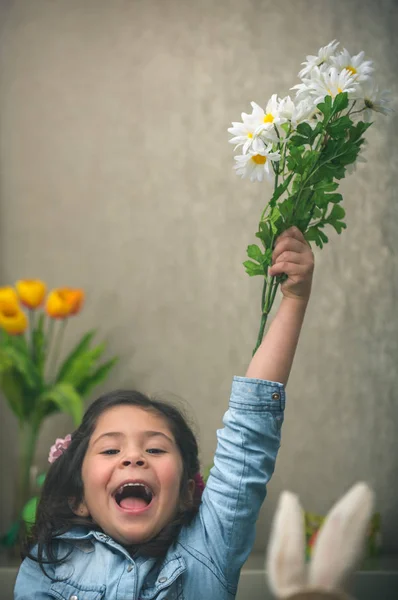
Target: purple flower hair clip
column 59, row 448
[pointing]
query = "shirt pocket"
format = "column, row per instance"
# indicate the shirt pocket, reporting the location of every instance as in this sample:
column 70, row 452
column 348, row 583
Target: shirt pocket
column 66, row 590
column 171, row 591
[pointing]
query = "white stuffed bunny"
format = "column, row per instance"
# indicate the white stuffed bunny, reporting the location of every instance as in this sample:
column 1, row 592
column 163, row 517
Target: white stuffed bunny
column 337, row 551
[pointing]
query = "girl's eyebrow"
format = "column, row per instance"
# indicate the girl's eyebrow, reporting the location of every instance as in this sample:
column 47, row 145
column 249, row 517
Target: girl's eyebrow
column 146, row 434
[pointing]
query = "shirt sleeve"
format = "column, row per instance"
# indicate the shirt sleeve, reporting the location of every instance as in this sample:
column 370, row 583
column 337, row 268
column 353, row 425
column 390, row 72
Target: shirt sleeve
column 243, row 465
column 32, row 583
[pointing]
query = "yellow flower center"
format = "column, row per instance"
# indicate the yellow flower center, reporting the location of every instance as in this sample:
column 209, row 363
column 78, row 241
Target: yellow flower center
column 352, row 70
column 268, row 118
column 249, row 135
column 259, row 159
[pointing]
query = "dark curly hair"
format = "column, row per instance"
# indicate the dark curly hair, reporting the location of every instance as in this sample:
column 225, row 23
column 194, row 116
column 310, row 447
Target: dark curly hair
column 64, row 481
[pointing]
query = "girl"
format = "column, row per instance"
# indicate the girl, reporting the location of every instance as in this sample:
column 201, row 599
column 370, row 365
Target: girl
column 121, row 515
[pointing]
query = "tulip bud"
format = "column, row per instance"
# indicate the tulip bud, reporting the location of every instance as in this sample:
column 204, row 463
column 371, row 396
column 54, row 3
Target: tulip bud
column 8, row 298
column 13, row 320
column 31, row 292
column 57, row 305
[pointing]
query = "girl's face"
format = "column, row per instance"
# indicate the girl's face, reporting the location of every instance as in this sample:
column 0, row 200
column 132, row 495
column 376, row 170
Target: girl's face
column 131, row 474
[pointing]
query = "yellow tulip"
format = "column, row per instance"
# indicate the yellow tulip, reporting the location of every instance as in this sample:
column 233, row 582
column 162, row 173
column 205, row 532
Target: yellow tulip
column 13, row 320
column 64, row 302
column 57, row 305
column 8, row 298
column 75, row 297
column 31, row 292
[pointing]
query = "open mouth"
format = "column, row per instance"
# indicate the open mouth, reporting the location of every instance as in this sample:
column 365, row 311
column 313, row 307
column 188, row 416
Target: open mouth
column 133, row 496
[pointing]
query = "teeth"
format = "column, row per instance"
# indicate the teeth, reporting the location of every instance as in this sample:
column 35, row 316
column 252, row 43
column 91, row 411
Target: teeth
column 147, row 489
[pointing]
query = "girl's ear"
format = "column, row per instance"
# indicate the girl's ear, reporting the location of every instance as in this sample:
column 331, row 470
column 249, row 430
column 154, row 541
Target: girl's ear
column 341, row 540
column 80, row 510
column 285, row 562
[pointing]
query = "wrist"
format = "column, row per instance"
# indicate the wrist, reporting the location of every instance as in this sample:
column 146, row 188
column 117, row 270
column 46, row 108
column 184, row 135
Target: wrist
column 296, row 302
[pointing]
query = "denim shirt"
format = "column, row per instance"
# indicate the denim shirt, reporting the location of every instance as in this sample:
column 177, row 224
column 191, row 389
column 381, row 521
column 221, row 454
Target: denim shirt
column 206, row 558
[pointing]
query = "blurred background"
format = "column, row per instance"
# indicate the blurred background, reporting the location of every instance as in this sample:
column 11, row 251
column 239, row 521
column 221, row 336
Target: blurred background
column 116, row 177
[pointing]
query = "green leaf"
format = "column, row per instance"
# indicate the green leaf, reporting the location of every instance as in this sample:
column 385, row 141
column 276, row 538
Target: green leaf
column 40, row 479
column 275, row 219
column 11, row 537
column 21, row 362
column 340, row 127
column 75, row 353
column 264, row 233
column 340, row 102
column 81, row 367
column 97, row 377
column 29, row 512
column 63, row 397
column 281, row 189
column 253, row 269
column 13, row 389
column 255, row 253
column 337, row 213
column 305, row 130
column 326, row 108
column 357, row 130
column 314, row 234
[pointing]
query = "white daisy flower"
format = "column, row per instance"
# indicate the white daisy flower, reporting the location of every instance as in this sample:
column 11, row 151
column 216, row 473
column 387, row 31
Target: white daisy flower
column 296, row 112
column 256, row 166
column 326, row 83
column 373, row 100
column 323, row 57
column 266, row 120
column 246, row 134
column 243, row 134
column 358, row 68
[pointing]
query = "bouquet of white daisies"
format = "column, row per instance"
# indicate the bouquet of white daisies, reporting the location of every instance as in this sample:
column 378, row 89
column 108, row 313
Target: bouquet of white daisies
column 306, row 144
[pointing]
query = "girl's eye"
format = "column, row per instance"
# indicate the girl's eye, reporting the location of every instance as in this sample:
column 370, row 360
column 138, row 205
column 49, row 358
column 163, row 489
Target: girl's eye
column 110, row 451
column 156, row 451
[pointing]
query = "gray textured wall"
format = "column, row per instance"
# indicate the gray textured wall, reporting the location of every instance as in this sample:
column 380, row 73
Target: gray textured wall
column 116, row 175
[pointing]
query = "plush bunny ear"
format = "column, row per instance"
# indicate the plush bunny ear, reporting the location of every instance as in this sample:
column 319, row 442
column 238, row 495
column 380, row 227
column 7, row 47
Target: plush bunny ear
column 340, row 543
column 285, row 562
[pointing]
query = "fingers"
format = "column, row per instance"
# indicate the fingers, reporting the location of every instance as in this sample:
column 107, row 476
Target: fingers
column 293, row 232
column 291, row 269
column 291, row 243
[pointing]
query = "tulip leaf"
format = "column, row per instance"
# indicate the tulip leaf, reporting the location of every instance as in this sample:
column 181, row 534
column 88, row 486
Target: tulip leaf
column 29, row 512
column 13, row 389
column 74, row 355
column 96, row 377
column 63, row 397
column 22, row 363
column 82, row 366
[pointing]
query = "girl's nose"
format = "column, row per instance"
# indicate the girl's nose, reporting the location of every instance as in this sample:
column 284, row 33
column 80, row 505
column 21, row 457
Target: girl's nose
column 138, row 462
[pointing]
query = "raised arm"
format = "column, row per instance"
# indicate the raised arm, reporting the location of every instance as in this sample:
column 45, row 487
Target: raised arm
column 274, row 358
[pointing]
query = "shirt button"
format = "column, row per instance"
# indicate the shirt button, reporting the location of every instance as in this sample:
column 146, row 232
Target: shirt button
column 73, row 597
column 276, row 396
column 162, row 579
column 130, row 568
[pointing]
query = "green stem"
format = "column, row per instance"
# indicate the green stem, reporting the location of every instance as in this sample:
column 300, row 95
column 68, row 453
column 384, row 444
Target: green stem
column 31, row 332
column 267, row 299
column 28, row 434
column 57, row 348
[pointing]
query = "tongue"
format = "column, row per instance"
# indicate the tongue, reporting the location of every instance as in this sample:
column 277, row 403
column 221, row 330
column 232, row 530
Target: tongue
column 131, row 503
